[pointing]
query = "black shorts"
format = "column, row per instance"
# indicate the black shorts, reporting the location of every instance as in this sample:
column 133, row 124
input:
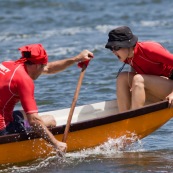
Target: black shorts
column 17, row 125
column 3, row 132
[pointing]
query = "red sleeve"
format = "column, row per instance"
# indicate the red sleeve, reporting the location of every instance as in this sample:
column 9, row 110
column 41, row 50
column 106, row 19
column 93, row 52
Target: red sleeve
column 157, row 53
column 25, row 89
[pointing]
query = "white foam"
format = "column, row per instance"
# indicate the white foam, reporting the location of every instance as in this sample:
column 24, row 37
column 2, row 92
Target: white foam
column 113, row 148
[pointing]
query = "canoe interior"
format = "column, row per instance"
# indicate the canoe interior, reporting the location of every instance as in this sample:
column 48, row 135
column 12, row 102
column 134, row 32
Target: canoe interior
column 85, row 112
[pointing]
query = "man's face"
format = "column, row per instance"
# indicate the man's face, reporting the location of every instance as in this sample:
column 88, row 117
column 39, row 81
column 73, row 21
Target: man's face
column 38, row 70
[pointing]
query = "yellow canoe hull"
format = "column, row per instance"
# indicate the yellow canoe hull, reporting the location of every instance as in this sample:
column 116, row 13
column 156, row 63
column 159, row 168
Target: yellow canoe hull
column 86, row 134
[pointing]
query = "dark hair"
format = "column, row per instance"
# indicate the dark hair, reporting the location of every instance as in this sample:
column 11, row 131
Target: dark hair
column 26, row 54
column 28, row 63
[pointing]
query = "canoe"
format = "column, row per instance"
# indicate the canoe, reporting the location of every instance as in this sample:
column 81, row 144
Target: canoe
column 91, row 126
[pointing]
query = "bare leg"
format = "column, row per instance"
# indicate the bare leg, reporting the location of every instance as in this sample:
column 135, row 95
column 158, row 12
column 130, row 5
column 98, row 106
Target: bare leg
column 48, row 120
column 149, row 88
column 138, row 92
column 135, row 91
column 123, row 86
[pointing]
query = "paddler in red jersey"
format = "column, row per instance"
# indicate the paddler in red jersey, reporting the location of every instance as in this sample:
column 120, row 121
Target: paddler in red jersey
column 17, row 85
column 150, row 78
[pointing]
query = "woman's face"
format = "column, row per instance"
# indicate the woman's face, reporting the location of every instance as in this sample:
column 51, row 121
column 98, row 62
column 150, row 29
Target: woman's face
column 122, row 53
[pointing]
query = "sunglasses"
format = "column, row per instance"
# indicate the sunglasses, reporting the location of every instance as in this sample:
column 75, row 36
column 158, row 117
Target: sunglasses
column 114, row 48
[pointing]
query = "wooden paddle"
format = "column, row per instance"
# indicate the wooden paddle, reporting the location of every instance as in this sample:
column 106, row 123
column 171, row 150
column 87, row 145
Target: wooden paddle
column 74, row 103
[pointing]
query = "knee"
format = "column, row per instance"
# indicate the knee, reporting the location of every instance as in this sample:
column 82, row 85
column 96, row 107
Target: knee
column 52, row 122
column 49, row 120
column 138, row 80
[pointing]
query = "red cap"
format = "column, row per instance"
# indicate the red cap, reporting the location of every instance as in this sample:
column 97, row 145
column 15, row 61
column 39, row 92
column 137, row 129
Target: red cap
column 34, row 53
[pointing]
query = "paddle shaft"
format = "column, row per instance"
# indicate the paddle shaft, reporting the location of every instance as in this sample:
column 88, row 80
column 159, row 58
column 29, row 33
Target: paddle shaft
column 74, row 103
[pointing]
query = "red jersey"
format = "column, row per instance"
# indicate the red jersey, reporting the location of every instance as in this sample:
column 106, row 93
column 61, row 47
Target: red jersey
column 151, row 58
column 16, row 85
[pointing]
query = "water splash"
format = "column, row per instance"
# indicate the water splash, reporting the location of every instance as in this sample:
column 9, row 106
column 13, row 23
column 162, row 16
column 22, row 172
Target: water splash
column 113, row 148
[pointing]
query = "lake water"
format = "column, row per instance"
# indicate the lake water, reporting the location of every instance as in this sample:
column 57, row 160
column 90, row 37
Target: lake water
column 66, row 27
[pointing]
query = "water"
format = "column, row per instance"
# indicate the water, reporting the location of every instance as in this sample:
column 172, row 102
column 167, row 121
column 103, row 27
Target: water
column 65, row 28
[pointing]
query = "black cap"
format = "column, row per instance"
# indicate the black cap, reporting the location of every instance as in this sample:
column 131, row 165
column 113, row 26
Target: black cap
column 121, row 37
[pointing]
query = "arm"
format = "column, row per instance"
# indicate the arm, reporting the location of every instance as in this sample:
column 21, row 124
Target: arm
column 39, row 127
column 60, row 65
column 25, row 88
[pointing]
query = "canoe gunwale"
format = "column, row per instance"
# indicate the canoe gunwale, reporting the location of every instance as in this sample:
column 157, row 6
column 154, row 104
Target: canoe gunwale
column 89, row 123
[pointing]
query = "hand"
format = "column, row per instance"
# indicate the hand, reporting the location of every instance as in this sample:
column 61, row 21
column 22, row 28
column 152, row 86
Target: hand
column 85, row 58
column 61, row 148
column 170, row 99
column 85, row 55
